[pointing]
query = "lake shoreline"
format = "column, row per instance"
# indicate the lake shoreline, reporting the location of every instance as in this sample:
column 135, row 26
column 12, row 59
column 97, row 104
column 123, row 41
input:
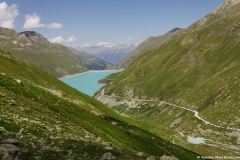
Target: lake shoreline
column 72, row 75
column 86, row 82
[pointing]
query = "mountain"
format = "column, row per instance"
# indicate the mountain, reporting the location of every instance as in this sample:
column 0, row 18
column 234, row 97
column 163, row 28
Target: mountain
column 108, row 52
column 43, row 118
column 56, row 59
column 190, row 83
column 148, row 44
column 90, row 61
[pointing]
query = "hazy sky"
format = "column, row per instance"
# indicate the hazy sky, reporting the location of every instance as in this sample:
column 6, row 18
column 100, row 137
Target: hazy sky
column 80, row 22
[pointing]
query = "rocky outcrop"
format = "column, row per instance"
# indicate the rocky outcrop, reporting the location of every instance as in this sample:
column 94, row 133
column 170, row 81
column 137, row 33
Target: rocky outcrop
column 108, row 156
column 9, row 151
column 164, row 157
column 151, row 158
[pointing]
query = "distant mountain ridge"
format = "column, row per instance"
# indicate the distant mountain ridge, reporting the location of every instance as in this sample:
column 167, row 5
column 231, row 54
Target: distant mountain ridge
column 90, row 61
column 148, row 44
column 56, row 59
column 108, row 52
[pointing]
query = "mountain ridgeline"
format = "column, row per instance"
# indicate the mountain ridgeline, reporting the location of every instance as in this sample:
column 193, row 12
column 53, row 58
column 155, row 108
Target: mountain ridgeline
column 148, row 44
column 56, row 59
column 111, row 53
column 90, row 61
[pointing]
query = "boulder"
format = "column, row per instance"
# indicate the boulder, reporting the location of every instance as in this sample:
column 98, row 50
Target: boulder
column 108, row 156
column 9, row 148
column 151, row 158
column 140, row 154
column 164, row 157
column 19, row 81
column 10, row 141
column 108, row 148
column 108, row 144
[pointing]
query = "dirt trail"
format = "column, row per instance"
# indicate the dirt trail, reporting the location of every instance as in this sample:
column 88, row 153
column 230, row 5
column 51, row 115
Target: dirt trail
column 162, row 102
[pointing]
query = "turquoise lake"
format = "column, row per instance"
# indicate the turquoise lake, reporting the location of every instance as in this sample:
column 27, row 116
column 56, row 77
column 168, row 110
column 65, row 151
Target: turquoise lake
column 87, row 82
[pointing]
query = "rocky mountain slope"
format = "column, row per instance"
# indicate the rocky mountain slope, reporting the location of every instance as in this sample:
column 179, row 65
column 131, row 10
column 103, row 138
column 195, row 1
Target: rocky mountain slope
column 148, row 44
column 43, row 118
column 56, row 59
column 90, row 61
column 108, row 52
column 198, row 68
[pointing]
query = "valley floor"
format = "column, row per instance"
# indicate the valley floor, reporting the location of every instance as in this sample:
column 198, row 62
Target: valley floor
column 163, row 102
column 113, row 100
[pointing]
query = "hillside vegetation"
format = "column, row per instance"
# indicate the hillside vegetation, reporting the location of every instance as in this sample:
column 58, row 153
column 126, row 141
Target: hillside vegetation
column 198, row 68
column 56, row 59
column 43, row 118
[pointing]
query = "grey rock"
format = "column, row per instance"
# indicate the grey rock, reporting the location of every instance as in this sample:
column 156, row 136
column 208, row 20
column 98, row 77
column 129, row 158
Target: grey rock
column 108, row 156
column 108, row 148
column 19, row 81
column 164, row 157
column 140, row 153
column 108, row 144
column 99, row 140
column 9, row 148
column 10, row 141
column 114, row 123
column 175, row 122
column 151, row 158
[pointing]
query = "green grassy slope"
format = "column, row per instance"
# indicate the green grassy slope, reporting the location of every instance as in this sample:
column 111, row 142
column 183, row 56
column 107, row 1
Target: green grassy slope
column 56, row 59
column 197, row 68
column 54, row 121
column 148, row 44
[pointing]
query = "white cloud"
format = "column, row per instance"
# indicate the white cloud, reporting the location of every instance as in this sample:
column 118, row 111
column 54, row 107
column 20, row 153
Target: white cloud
column 8, row 15
column 33, row 21
column 71, row 39
column 58, row 39
column 54, row 25
column 61, row 40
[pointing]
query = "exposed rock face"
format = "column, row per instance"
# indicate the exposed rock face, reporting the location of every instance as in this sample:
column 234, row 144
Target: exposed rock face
column 34, row 36
column 108, row 156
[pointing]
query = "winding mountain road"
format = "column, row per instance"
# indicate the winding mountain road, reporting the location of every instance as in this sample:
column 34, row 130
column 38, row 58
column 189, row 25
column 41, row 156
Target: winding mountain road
column 162, row 102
